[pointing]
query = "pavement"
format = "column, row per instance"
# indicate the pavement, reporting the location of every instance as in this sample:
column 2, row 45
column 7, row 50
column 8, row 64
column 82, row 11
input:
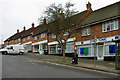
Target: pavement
column 104, row 66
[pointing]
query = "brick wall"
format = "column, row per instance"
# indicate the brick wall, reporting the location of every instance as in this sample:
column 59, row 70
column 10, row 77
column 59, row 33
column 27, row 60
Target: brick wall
column 96, row 30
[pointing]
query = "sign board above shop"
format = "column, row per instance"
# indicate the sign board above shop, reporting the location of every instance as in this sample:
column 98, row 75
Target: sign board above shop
column 98, row 40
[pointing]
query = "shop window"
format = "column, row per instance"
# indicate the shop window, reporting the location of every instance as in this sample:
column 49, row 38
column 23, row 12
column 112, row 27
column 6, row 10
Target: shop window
column 86, row 31
column 109, row 50
column 42, row 35
column 85, row 50
column 110, row 26
column 69, row 48
column 53, row 49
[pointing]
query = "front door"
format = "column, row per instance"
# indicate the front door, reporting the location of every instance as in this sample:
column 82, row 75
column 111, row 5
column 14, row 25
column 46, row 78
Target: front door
column 100, row 52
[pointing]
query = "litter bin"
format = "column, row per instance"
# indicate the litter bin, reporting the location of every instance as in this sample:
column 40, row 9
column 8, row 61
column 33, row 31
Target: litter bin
column 45, row 52
column 75, row 59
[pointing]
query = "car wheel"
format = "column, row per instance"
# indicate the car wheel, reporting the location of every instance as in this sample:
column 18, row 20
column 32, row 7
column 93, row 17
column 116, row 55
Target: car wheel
column 21, row 53
column 5, row 52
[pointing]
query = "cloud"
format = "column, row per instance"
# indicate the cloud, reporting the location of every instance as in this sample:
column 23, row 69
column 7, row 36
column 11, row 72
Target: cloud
column 14, row 14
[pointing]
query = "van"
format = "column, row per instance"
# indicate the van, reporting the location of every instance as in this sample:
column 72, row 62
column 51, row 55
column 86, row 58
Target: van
column 13, row 49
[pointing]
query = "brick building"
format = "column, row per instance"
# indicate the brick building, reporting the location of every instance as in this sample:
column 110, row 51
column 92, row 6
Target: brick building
column 95, row 31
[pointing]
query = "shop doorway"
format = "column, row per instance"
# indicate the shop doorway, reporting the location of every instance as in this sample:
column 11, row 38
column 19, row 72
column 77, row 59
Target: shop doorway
column 100, row 55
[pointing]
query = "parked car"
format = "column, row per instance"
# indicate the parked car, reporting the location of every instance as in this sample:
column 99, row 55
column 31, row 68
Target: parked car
column 13, row 49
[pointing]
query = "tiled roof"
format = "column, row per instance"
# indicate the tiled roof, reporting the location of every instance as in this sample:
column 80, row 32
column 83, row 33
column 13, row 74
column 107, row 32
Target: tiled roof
column 27, row 32
column 39, row 29
column 66, row 22
column 102, row 14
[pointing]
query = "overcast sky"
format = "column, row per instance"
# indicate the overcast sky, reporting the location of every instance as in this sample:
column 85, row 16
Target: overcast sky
column 15, row 14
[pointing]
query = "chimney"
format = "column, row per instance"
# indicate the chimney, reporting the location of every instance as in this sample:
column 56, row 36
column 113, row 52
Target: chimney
column 88, row 5
column 33, row 25
column 62, row 14
column 17, row 30
column 24, row 28
column 44, row 21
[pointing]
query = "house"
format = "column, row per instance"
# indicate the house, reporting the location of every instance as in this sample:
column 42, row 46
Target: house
column 74, row 20
column 94, row 36
column 97, row 31
column 26, row 38
column 40, row 38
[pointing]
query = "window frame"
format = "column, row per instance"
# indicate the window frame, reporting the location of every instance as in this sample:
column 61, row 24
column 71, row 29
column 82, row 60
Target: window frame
column 16, row 40
column 35, row 37
column 19, row 39
column 28, row 38
column 23, row 39
column 113, row 25
column 53, row 36
column 42, row 35
column 87, row 31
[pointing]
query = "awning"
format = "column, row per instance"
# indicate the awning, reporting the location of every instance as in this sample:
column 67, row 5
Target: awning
column 40, row 42
column 55, row 42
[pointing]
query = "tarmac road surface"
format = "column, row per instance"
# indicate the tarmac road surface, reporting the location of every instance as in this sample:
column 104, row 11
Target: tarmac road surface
column 18, row 66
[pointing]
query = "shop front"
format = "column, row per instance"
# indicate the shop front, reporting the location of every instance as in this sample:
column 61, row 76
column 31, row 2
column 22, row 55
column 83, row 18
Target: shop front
column 40, row 46
column 54, row 47
column 27, row 46
column 99, row 48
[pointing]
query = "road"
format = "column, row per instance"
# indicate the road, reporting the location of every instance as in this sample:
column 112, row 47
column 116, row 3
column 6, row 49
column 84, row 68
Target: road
column 18, row 66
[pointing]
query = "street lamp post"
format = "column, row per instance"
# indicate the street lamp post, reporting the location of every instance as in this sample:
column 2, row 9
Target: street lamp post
column 95, row 51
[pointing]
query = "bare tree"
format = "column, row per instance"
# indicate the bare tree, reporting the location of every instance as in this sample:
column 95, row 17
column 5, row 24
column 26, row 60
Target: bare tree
column 59, row 23
column 53, row 11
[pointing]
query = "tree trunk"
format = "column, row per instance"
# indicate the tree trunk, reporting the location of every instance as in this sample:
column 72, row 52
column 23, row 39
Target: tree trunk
column 63, row 53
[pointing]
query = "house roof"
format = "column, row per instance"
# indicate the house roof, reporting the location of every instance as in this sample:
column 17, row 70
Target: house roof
column 66, row 22
column 27, row 32
column 104, row 13
column 39, row 29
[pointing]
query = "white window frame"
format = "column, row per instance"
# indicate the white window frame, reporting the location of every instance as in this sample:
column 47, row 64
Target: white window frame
column 53, row 36
column 113, row 23
column 42, row 35
column 35, row 38
column 12, row 41
column 19, row 39
column 16, row 40
column 28, row 38
column 23, row 39
column 87, row 31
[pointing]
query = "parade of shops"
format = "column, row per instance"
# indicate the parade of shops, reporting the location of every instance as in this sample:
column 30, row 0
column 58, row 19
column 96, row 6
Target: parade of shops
column 96, row 32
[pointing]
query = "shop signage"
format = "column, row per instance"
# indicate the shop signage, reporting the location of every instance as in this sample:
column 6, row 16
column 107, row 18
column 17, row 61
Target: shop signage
column 117, row 37
column 102, row 39
column 81, row 42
